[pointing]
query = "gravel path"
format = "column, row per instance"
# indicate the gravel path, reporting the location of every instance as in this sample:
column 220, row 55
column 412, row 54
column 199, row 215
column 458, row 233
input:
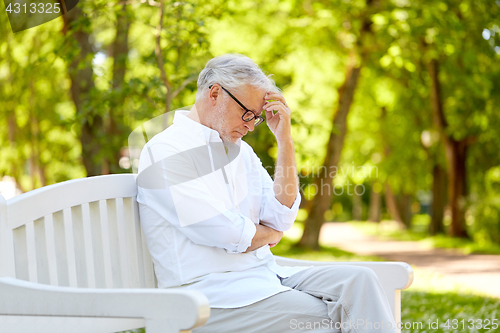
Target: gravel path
column 480, row 272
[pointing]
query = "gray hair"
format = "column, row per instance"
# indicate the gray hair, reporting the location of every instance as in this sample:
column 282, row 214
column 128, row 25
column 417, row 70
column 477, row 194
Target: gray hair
column 233, row 71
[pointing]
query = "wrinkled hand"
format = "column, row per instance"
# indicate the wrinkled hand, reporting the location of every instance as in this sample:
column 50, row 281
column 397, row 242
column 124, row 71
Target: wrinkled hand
column 278, row 115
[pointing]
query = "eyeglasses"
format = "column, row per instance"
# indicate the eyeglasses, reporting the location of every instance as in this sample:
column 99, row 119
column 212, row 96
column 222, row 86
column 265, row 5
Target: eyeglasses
column 249, row 115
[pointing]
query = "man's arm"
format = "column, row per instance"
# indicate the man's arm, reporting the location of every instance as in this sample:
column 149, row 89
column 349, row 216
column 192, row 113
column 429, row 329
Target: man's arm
column 264, row 236
column 285, row 178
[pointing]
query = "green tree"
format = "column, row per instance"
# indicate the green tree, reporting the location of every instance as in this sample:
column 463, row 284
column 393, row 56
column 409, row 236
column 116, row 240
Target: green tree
column 443, row 41
column 38, row 146
column 357, row 25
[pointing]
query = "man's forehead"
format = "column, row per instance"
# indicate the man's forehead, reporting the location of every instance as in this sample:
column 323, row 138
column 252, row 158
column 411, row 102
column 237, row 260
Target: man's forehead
column 254, row 98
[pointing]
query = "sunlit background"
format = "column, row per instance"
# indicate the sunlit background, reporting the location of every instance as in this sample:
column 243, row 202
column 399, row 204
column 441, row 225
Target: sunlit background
column 399, row 97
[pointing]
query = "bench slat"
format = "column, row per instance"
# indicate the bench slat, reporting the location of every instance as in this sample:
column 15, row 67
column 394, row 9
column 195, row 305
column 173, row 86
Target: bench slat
column 79, row 247
column 122, row 243
column 70, row 247
column 112, row 238
column 89, row 245
column 31, row 252
column 105, row 244
column 140, row 248
column 62, row 266
column 51, row 250
column 41, row 254
column 95, row 226
column 21, row 253
column 131, row 243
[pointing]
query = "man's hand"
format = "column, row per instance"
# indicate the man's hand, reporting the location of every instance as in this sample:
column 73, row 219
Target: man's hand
column 264, row 236
column 279, row 235
column 279, row 122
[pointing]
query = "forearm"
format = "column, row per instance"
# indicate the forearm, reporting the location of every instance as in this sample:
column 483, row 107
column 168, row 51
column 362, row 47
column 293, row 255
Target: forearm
column 264, row 236
column 285, row 177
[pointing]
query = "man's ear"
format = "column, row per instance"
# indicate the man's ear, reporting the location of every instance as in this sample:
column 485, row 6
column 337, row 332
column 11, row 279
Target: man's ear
column 213, row 93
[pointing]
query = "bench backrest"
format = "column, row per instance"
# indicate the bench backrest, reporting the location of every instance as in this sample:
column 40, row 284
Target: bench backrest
column 79, row 233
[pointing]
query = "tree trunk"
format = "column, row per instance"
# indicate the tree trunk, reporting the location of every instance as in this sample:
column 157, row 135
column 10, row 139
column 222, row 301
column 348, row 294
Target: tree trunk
column 116, row 129
column 392, row 206
column 457, row 187
column 322, row 200
column 357, row 207
column 438, row 200
column 92, row 127
column 404, row 206
column 375, row 203
column 456, row 153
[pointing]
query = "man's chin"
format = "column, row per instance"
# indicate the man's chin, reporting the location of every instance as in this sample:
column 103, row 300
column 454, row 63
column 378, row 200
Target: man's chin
column 229, row 139
column 232, row 140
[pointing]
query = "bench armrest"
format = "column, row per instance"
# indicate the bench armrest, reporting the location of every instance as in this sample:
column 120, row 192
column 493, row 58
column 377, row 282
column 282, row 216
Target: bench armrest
column 398, row 274
column 164, row 310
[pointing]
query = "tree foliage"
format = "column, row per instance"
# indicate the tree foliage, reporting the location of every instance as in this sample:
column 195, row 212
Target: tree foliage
column 423, row 113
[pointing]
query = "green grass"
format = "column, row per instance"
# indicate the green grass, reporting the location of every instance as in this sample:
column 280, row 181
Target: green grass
column 432, row 297
column 388, row 230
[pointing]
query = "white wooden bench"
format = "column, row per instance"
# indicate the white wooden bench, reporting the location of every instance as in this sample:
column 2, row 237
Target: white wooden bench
column 73, row 259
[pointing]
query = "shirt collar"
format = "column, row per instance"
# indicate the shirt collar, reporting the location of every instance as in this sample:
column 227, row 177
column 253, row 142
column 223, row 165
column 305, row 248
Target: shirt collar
column 207, row 134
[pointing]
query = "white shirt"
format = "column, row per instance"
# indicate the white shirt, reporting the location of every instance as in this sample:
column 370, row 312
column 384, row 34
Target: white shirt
column 199, row 202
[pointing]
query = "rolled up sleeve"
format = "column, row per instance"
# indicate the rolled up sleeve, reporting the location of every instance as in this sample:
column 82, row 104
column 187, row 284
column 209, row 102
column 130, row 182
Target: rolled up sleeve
column 247, row 235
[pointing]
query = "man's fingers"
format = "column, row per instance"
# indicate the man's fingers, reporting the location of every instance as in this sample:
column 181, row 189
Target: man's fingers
column 269, row 114
column 276, row 109
column 276, row 99
column 275, row 95
column 274, row 103
column 276, row 106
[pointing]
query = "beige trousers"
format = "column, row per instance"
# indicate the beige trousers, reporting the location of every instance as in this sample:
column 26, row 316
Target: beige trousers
column 343, row 298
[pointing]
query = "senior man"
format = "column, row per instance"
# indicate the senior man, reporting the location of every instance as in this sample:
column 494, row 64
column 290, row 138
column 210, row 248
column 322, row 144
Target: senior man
column 210, row 213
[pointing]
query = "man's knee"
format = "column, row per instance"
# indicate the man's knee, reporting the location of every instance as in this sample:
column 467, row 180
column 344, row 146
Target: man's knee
column 359, row 272
column 364, row 275
column 366, row 272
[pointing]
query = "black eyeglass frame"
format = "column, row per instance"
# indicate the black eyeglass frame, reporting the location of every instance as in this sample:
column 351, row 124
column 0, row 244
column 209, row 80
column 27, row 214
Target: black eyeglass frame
column 259, row 120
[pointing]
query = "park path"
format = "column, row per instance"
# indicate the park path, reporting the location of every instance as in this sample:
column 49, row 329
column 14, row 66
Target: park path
column 479, row 272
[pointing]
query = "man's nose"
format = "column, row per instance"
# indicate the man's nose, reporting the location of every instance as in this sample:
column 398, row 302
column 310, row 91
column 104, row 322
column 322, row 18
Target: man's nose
column 250, row 125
